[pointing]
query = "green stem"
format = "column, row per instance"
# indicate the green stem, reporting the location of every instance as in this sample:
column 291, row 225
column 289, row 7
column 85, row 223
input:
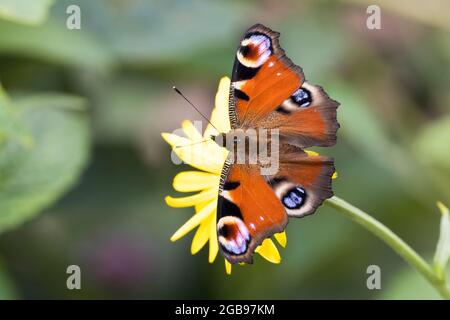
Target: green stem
column 392, row 240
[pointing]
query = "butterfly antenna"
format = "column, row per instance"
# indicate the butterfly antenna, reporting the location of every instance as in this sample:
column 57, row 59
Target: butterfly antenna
column 193, row 106
column 191, row 144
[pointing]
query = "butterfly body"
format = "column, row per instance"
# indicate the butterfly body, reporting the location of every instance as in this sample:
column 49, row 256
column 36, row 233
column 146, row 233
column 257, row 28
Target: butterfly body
column 274, row 114
column 245, row 143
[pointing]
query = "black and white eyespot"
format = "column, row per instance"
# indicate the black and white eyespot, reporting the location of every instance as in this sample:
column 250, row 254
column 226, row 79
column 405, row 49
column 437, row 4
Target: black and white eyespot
column 254, row 50
column 294, row 198
column 301, row 98
column 233, row 235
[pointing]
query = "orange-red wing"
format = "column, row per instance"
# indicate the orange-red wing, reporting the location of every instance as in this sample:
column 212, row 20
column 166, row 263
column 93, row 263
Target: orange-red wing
column 307, row 118
column 252, row 207
column 262, row 78
column 303, row 182
column 248, row 212
column 268, row 91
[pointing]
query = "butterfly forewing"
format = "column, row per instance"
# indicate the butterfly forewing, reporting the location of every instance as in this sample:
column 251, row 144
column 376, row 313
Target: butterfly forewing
column 262, row 78
column 269, row 91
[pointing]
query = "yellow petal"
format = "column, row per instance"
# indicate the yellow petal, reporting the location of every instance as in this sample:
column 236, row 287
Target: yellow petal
column 222, row 95
column 201, row 205
column 201, row 235
column 191, row 132
column 219, row 115
column 269, row 251
column 188, row 181
column 281, row 238
column 206, row 156
column 335, row 175
column 227, row 267
column 311, row 153
column 213, row 243
column 194, row 221
column 174, row 140
column 188, row 201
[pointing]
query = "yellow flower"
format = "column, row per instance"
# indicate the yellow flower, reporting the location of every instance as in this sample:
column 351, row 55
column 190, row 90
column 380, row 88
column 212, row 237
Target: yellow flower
column 208, row 157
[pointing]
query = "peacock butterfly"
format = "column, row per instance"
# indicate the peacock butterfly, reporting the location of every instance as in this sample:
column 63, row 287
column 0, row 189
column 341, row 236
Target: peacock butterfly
column 268, row 91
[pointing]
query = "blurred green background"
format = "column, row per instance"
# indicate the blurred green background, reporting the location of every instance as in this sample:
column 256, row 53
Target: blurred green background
column 84, row 171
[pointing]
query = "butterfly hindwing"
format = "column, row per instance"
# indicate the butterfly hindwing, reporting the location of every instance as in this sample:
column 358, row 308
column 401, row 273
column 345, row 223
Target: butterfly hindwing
column 269, row 91
column 252, row 207
column 302, row 182
column 248, row 212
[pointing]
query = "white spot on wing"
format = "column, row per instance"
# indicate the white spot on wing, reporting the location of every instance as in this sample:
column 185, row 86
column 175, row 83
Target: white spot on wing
column 239, row 84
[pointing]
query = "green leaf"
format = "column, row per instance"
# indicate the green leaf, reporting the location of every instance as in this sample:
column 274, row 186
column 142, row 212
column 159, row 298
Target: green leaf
column 25, row 11
column 33, row 179
column 442, row 253
column 11, row 127
column 51, row 100
column 431, row 144
column 54, row 43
